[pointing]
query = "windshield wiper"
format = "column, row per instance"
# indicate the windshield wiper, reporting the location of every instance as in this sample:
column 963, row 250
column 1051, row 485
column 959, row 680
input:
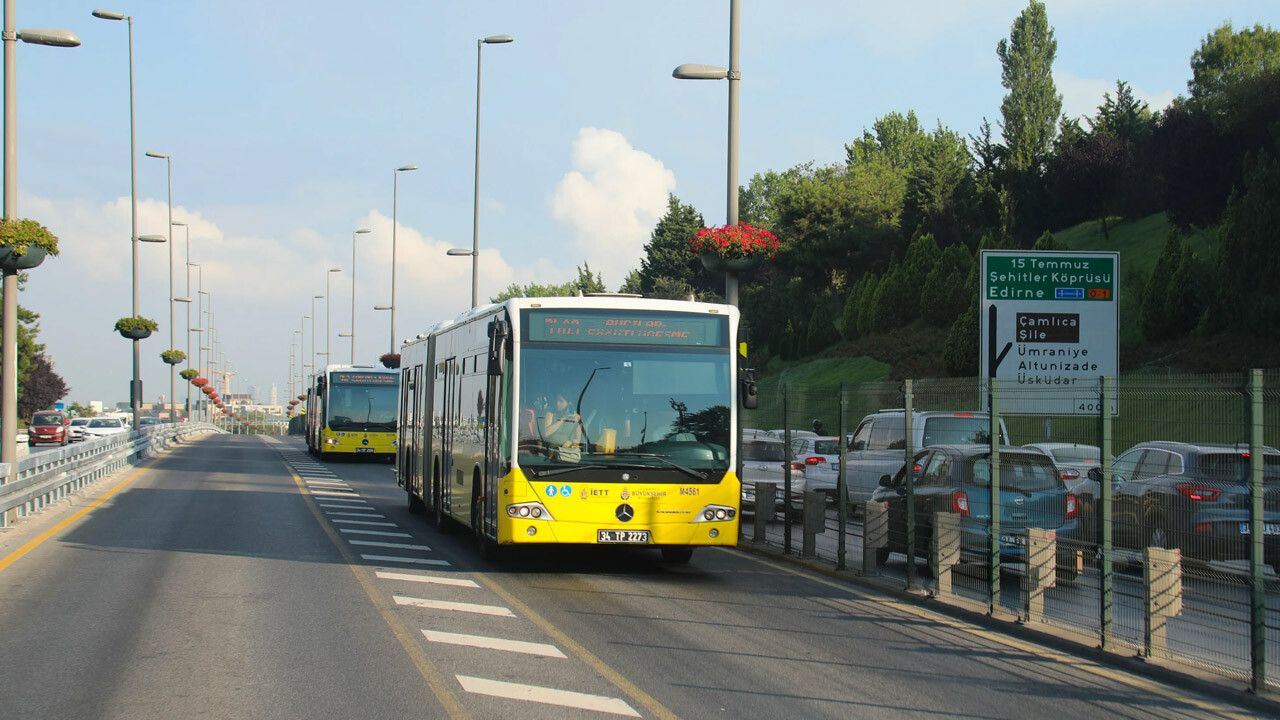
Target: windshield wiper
column 660, row 458
column 563, row 470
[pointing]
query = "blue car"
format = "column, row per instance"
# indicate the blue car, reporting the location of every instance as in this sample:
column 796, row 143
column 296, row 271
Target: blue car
column 957, row 479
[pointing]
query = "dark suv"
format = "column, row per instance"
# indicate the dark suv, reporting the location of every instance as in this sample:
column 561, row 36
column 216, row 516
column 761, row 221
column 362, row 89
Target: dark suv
column 957, row 479
column 1194, row 497
column 48, row 426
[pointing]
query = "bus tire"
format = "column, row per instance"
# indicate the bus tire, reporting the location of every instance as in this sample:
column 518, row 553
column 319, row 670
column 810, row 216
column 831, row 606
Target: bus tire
column 443, row 523
column 677, row 555
column 416, row 506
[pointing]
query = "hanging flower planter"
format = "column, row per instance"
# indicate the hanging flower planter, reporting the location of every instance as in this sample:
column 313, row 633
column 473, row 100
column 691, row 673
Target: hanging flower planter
column 24, row 244
column 173, row 357
column 189, row 374
column 199, row 381
column 206, row 390
column 390, row 360
column 302, row 397
column 136, row 328
column 734, row 248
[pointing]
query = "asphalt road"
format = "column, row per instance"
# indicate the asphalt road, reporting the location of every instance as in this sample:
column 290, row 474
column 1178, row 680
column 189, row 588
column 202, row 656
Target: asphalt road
column 237, row 577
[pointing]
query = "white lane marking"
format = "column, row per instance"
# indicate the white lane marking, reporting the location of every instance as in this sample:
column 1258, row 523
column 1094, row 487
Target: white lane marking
column 496, row 610
column 355, row 514
column 327, row 485
column 366, row 522
column 332, row 492
column 354, row 500
column 433, row 579
column 395, row 546
column 411, row 561
column 380, row 533
column 493, row 643
column 546, row 696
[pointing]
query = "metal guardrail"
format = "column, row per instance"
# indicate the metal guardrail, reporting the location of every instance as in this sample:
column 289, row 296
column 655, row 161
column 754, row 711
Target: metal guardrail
column 46, row 477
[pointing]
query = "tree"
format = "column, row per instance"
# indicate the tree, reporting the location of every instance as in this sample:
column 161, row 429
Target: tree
column 78, row 410
column 1092, row 176
column 1031, row 108
column 1248, row 260
column 585, row 283
column 822, row 328
column 1226, row 57
column 945, row 293
column 1123, row 116
column 941, row 196
column 41, row 388
column 897, row 139
column 667, row 253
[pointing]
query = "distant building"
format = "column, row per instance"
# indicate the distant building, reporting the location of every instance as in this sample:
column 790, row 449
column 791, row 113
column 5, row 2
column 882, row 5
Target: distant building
column 274, row 399
column 95, row 406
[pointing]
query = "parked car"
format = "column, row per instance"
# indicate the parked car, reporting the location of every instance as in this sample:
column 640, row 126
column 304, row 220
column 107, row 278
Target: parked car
column 48, row 427
column 808, row 454
column 1193, row 497
column 1073, row 460
column 75, row 430
column 764, row 460
column 878, row 446
column 957, row 479
column 103, row 427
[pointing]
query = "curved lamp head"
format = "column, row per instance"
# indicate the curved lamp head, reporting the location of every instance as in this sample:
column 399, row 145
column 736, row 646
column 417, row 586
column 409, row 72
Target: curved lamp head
column 362, row 231
column 406, row 168
column 53, row 37
column 694, row 71
column 108, row 14
column 335, row 269
column 459, row 252
column 497, row 39
column 162, row 156
column 152, row 238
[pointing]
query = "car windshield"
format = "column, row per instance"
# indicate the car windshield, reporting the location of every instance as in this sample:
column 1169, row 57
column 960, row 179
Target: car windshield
column 1236, row 466
column 1077, row 455
column 957, row 430
column 624, row 405
column 756, row 451
column 826, row 447
column 1022, row 472
column 79, row 422
column 104, row 423
column 46, row 420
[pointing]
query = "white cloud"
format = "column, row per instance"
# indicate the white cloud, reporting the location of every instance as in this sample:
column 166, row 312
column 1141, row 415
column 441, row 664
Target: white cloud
column 612, row 198
column 1082, row 96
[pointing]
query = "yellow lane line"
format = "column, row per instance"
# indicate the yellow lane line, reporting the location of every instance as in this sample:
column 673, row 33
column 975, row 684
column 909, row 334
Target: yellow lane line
column 1087, row 666
column 38, row 540
column 640, row 696
column 435, row 681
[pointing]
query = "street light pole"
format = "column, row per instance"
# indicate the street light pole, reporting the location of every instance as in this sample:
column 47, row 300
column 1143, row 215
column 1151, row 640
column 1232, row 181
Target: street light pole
column 475, row 205
column 361, row 231
column 9, row 309
column 186, row 298
column 314, row 368
column 395, row 198
column 135, row 386
column 173, row 368
column 327, row 314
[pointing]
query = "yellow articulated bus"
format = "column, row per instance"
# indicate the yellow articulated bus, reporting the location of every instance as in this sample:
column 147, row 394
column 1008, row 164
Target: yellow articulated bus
column 351, row 412
column 590, row 420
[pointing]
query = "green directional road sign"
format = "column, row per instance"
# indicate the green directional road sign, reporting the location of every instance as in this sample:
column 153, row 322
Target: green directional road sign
column 1049, row 328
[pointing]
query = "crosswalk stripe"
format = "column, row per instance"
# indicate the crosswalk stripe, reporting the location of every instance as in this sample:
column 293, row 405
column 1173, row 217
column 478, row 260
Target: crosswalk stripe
column 353, row 500
column 546, row 696
column 353, row 514
column 366, row 522
column 380, row 533
column 411, row 561
column 433, row 579
column 332, row 492
column 395, row 546
column 493, row 643
column 496, row 610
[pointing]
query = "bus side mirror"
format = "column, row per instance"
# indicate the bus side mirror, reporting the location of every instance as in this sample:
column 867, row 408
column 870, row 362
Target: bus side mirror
column 748, row 391
column 499, row 331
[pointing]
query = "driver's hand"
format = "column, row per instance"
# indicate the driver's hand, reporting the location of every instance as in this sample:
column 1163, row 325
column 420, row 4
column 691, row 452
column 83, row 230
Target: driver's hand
column 572, row 417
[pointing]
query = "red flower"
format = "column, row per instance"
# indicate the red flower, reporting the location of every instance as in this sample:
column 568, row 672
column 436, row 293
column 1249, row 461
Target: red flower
column 734, row 241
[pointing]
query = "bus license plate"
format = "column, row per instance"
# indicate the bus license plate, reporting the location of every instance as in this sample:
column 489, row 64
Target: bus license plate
column 622, row 536
column 364, row 449
column 1267, row 528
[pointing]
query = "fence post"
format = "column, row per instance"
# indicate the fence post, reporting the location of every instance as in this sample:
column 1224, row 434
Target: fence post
column 765, row 492
column 1257, row 549
column 815, row 521
column 842, row 490
column 1106, row 580
column 908, row 397
column 875, row 535
column 786, row 449
column 993, row 589
column 1042, row 570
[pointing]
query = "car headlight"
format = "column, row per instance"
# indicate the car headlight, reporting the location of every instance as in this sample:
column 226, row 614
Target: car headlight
column 529, row 511
column 715, row 513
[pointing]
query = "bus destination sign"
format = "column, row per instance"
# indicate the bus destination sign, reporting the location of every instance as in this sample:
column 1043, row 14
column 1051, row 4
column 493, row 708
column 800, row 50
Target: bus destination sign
column 624, row 327
column 357, row 378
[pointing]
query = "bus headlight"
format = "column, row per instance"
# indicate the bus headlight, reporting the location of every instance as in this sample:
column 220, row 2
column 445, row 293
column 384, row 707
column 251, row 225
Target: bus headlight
column 331, row 441
column 715, row 513
column 529, row 511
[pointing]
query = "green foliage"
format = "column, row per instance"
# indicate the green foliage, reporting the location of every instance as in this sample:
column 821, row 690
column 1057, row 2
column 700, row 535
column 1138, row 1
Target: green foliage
column 585, row 283
column 897, row 140
column 922, row 257
column 1225, row 58
column 859, row 296
column 1123, row 116
column 1248, row 260
column 960, row 354
column 78, row 410
column 137, row 322
column 1031, row 108
column 21, row 234
column 1155, row 324
column 1046, row 243
column 189, row 373
column 822, row 328
column 941, row 195
column 759, row 201
column 945, row 292
column 667, row 253
column 173, row 356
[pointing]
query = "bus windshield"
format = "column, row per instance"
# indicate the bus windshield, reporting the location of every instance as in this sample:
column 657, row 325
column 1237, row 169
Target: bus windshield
column 362, row 402
column 614, row 406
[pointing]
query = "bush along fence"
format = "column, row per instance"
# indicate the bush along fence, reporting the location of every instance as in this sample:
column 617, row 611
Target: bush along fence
column 1147, row 519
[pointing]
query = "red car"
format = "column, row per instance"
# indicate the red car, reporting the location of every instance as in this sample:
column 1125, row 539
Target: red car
column 48, row 426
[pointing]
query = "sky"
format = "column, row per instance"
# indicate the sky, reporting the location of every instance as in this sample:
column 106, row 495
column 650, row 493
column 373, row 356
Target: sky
column 285, row 122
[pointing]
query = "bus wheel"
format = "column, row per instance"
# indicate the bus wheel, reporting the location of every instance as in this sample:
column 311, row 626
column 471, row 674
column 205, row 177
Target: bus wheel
column 442, row 522
column 416, row 506
column 677, row 555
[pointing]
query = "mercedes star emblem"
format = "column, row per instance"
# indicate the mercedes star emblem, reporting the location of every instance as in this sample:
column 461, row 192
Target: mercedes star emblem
column 624, row 513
